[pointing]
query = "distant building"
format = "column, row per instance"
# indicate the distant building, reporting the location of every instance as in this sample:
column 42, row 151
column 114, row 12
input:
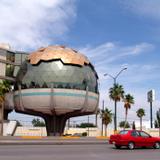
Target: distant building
column 10, row 61
column 145, row 124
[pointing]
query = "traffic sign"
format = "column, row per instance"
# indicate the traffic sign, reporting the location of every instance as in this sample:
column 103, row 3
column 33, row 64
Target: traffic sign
column 151, row 95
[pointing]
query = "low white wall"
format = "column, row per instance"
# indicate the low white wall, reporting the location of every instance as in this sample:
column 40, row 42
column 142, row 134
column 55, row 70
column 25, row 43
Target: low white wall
column 9, row 128
column 93, row 132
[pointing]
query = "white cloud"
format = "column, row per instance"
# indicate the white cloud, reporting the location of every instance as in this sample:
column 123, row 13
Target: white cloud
column 106, row 56
column 93, row 52
column 110, row 52
column 33, row 23
column 148, row 8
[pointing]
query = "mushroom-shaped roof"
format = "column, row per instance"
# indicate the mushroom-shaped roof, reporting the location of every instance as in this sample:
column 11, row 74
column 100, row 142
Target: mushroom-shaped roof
column 66, row 55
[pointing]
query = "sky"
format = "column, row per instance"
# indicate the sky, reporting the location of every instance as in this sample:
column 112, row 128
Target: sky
column 113, row 34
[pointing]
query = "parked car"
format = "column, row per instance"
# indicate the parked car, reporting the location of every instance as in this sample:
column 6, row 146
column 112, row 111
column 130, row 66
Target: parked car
column 134, row 138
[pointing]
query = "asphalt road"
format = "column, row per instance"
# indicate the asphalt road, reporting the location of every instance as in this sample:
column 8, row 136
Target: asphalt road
column 74, row 152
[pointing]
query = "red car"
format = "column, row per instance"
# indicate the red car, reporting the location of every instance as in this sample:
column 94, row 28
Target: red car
column 134, row 138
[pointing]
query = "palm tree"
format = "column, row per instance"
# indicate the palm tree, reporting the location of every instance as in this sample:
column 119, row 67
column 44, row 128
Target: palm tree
column 116, row 93
column 140, row 113
column 4, row 87
column 96, row 117
column 106, row 116
column 101, row 115
column 128, row 101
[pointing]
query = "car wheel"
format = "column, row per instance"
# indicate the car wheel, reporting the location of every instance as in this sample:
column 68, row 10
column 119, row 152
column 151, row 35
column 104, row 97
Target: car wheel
column 157, row 145
column 131, row 145
column 117, row 146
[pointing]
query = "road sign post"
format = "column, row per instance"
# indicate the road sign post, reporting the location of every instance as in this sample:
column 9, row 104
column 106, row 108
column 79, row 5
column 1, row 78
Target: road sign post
column 151, row 98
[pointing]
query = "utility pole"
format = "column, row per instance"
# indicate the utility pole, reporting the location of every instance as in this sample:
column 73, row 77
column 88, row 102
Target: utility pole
column 151, row 117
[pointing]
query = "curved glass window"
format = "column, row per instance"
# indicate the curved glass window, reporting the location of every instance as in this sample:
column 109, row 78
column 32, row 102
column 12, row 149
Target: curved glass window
column 60, row 75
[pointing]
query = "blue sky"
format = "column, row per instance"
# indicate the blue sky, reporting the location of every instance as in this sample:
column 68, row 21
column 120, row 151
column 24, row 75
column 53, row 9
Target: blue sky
column 112, row 33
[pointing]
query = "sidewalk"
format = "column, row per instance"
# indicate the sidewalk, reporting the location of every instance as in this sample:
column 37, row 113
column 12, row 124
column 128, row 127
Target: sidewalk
column 51, row 140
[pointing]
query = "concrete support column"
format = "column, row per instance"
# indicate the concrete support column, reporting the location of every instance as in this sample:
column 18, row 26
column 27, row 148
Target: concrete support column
column 55, row 125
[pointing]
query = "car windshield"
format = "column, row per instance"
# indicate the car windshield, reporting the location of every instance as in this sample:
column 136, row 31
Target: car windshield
column 123, row 132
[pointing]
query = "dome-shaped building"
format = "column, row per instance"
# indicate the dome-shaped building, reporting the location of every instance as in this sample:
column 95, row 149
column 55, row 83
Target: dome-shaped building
column 56, row 83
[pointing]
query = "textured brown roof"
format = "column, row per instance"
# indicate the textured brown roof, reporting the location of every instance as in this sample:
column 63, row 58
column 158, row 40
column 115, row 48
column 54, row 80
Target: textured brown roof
column 67, row 55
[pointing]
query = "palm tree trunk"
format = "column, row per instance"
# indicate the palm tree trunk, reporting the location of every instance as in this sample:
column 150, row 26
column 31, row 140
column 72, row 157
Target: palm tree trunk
column 106, row 133
column 125, row 122
column 105, row 130
column 115, row 116
column 102, row 129
column 140, row 123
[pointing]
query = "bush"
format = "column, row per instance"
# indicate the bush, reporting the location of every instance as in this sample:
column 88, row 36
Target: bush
column 85, row 125
column 84, row 134
column 122, row 123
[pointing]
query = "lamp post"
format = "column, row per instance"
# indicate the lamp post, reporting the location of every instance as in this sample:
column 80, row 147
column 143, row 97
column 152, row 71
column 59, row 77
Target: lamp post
column 115, row 77
column 115, row 105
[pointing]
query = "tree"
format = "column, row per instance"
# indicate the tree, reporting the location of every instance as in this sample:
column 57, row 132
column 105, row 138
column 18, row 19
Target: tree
column 106, row 116
column 101, row 112
column 133, row 125
column 140, row 113
column 116, row 93
column 4, row 88
column 84, row 134
column 124, row 124
column 128, row 101
column 157, row 120
column 85, row 125
column 96, row 116
column 37, row 123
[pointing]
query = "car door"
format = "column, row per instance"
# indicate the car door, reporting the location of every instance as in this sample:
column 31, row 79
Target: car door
column 136, row 138
column 145, row 139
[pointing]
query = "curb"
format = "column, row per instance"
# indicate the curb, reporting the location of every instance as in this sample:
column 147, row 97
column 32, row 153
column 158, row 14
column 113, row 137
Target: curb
column 51, row 143
column 70, row 137
column 102, row 137
column 31, row 137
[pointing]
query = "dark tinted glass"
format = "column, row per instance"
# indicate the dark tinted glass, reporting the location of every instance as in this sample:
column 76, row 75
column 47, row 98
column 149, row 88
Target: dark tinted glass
column 58, row 74
column 134, row 133
column 123, row 132
column 143, row 134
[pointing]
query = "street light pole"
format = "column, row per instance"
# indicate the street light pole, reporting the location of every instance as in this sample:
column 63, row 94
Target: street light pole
column 115, row 104
column 115, row 77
